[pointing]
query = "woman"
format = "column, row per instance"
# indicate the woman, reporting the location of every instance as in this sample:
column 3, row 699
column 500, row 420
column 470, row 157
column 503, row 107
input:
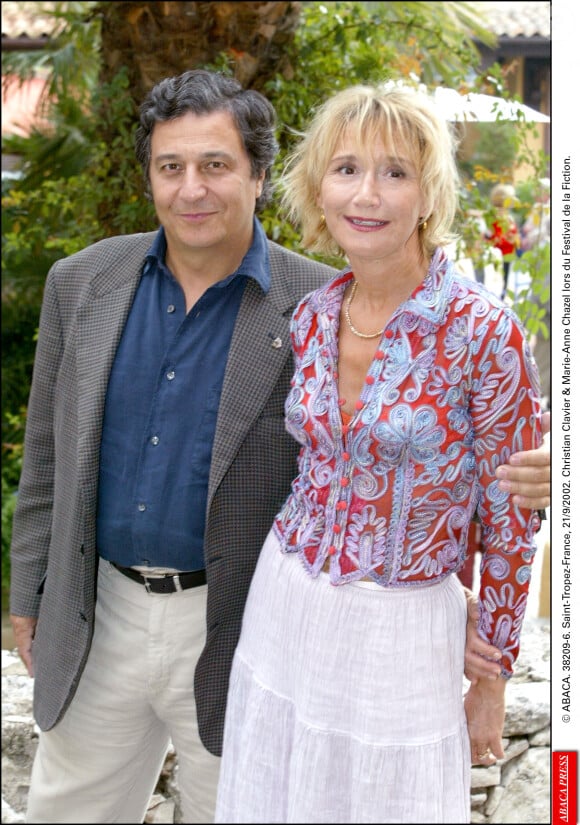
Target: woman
column 411, row 385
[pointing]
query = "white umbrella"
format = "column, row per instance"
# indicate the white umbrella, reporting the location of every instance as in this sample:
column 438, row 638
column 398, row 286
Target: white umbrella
column 479, row 107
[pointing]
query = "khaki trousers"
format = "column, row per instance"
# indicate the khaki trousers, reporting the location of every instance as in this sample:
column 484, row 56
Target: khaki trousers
column 101, row 762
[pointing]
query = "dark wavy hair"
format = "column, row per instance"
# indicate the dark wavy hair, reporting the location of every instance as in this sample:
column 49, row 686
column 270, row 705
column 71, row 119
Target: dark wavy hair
column 203, row 92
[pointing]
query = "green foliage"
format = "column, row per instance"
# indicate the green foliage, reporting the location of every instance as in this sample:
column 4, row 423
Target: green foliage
column 12, row 447
column 341, row 44
column 11, row 468
column 70, row 63
column 512, row 149
column 531, row 305
column 44, row 219
column 495, row 147
column 70, row 59
column 113, row 168
column 38, row 227
column 8, row 506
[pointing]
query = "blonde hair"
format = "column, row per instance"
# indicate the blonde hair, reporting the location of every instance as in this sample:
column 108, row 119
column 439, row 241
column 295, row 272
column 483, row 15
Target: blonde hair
column 400, row 117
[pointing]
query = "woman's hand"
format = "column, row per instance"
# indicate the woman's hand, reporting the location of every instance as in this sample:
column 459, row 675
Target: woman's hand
column 481, row 658
column 484, row 705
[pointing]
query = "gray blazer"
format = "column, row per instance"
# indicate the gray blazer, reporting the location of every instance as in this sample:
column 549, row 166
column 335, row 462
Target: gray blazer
column 54, row 560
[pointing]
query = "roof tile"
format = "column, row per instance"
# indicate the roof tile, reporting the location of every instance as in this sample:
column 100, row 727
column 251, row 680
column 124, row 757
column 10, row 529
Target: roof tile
column 506, row 19
column 28, row 20
column 516, row 19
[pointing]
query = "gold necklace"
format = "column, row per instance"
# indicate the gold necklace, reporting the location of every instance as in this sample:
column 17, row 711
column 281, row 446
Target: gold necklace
column 348, row 319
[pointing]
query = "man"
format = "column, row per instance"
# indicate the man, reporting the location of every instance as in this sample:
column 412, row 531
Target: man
column 156, row 458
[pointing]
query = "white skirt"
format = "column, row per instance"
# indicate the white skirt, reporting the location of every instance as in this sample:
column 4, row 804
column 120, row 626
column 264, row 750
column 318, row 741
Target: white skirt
column 345, row 703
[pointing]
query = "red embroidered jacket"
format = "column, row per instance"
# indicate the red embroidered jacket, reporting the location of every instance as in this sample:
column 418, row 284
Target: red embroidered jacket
column 389, row 495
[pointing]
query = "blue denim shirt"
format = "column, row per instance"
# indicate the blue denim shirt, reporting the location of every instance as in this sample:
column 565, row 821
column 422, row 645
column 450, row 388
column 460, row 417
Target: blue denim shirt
column 160, row 414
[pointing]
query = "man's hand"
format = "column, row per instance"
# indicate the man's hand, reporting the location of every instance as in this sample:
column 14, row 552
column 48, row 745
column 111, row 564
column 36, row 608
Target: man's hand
column 527, row 476
column 24, row 628
column 478, row 653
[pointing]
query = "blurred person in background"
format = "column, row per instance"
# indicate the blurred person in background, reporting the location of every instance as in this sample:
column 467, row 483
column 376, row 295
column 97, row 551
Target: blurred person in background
column 504, row 234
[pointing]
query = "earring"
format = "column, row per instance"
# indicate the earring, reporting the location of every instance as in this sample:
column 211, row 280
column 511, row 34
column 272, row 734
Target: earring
column 422, row 224
column 322, row 219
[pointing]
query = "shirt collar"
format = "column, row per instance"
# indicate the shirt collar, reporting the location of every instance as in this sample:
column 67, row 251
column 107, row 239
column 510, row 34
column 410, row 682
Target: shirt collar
column 431, row 297
column 255, row 263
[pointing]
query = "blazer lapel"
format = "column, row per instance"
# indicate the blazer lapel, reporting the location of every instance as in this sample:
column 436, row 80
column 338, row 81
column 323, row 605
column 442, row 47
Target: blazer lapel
column 258, row 352
column 100, row 324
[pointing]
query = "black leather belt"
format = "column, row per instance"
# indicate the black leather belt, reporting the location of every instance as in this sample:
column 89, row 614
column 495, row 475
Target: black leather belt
column 172, row 583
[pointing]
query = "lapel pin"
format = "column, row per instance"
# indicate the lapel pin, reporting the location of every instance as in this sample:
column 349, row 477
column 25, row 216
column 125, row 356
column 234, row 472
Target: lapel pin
column 276, row 342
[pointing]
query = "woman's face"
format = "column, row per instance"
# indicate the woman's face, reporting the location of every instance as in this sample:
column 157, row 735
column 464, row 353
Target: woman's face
column 372, row 201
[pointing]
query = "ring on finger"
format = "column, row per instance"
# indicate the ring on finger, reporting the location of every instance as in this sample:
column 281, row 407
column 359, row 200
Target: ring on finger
column 485, row 754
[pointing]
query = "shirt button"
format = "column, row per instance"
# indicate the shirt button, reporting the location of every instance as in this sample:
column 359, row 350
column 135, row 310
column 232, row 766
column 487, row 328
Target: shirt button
column 341, row 505
column 171, row 308
column 344, row 481
column 171, row 375
column 336, row 528
column 331, row 551
column 155, row 440
column 346, row 456
column 141, row 507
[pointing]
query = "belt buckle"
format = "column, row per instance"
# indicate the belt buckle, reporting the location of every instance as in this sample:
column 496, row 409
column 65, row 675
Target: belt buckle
column 177, row 584
column 147, row 584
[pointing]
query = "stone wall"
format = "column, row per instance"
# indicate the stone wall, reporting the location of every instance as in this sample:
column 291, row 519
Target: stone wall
column 514, row 790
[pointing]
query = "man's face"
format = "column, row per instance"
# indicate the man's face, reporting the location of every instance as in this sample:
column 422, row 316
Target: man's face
column 201, row 184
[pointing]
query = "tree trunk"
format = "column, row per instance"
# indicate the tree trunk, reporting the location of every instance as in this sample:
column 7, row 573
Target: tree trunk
column 158, row 39
column 153, row 40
